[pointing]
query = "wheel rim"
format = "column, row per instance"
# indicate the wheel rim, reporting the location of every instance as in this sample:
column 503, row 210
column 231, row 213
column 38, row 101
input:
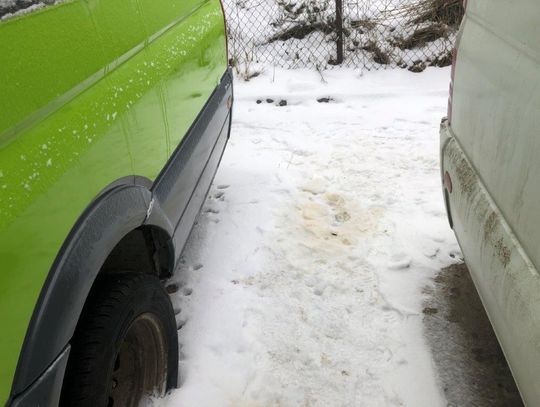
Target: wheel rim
column 140, row 367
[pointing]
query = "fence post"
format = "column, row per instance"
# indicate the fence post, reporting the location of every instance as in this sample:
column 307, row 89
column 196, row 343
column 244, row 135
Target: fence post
column 339, row 31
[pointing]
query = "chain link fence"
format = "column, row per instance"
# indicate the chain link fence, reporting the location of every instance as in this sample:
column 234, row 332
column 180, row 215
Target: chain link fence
column 366, row 34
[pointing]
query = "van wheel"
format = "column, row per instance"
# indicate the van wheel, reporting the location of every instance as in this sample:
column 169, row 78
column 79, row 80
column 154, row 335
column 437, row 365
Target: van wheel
column 125, row 346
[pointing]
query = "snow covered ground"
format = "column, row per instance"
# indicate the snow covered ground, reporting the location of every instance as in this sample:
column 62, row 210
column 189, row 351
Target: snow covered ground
column 377, row 33
column 304, row 282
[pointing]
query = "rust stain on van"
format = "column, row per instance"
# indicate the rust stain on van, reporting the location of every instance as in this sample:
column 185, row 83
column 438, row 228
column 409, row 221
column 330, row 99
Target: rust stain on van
column 465, row 176
column 464, row 173
column 490, row 225
column 469, row 187
column 503, row 252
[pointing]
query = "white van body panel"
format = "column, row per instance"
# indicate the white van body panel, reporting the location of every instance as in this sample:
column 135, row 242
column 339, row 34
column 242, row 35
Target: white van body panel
column 491, row 150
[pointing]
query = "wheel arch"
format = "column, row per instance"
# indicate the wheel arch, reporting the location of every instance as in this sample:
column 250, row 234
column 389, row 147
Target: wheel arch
column 122, row 210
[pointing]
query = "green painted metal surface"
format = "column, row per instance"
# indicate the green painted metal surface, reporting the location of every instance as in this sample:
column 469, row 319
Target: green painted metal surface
column 91, row 91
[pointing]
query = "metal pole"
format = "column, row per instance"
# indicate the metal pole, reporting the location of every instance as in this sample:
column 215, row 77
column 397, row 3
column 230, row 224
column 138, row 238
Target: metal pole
column 339, row 31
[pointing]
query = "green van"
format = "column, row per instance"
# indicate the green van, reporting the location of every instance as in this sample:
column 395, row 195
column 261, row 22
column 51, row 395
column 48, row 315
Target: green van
column 490, row 149
column 114, row 115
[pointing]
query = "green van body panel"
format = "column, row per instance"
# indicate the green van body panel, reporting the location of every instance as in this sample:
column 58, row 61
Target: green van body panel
column 91, row 91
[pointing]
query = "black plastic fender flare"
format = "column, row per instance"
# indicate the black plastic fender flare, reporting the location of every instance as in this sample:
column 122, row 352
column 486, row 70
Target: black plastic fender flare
column 119, row 209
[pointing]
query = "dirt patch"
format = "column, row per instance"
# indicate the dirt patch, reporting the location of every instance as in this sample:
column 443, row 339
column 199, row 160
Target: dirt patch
column 363, row 25
column 465, row 176
column 446, row 11
column 503, row 252
column 490, row 225
column 422, row 36
column 417, row 67
column 470, row 363
column 301, row 31
column 442, row 60
column 379, row 56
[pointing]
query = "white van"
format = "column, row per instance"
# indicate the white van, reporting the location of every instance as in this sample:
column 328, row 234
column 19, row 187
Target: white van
column 490, row 162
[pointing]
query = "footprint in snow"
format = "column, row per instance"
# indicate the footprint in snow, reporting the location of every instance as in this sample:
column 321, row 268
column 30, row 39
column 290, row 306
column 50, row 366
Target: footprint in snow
column 180, row 322
column 456, row 255
column 172, row 288
column 220, row 195
column 319, row 290
column 342, row 216
column 315, row 187
column 176, row 304
column 431, row 252
column 399, row 261
column 223, row 186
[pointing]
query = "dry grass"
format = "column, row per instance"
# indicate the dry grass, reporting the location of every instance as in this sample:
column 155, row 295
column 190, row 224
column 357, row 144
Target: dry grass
column 379, row 56
column 448, row 12
column 363, row 25
column 301, row 31
column 413, row 36
column 424, row 35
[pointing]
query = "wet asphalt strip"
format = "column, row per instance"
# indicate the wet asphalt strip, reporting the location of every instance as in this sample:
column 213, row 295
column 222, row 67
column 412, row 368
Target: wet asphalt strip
column 470, row 363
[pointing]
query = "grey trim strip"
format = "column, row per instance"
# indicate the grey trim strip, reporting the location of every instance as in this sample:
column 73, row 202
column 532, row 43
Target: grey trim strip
column 175, row 185
column 192, row 210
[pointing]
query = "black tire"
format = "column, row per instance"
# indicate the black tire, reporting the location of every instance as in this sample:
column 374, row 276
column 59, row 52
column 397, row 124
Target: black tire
column 125, row 345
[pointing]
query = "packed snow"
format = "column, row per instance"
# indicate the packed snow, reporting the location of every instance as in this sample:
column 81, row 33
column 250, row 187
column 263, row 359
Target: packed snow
column 304, row 280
